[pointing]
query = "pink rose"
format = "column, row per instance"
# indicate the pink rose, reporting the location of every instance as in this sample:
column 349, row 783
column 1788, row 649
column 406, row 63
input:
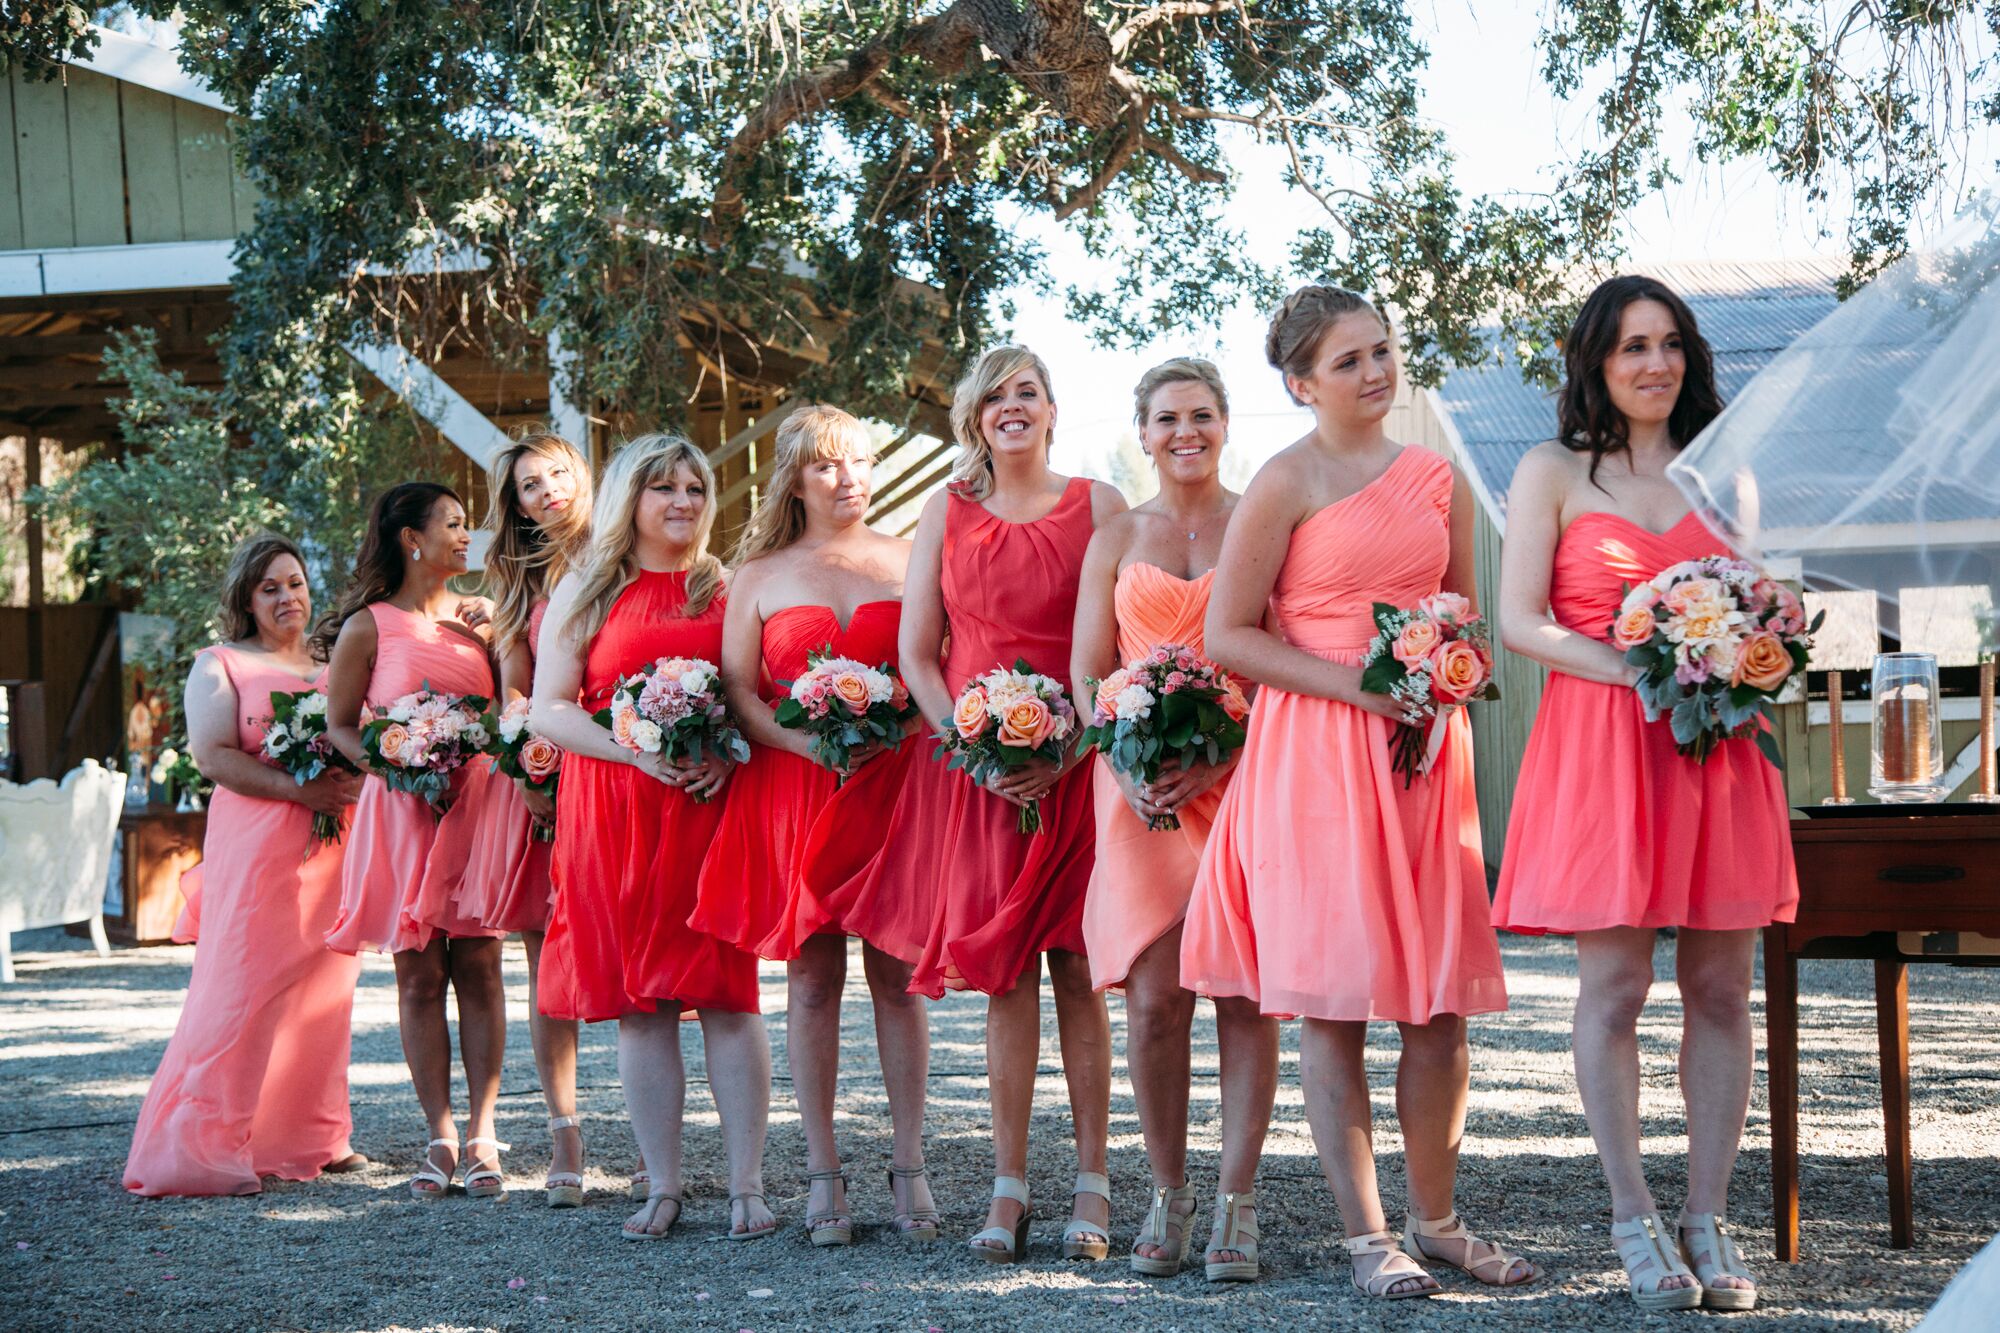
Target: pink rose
column 1027, row 723
column 969, row 717
column 1457, row 672
column 1416, row 643
column 1633, row 628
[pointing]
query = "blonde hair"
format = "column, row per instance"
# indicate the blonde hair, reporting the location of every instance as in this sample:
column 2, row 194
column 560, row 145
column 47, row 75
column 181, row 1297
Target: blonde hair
column 609, row 565
column 1300, row 324
column 810, row 434
column 246, row 570
column 526, row 559
column 1180, row 370
column 972, row 472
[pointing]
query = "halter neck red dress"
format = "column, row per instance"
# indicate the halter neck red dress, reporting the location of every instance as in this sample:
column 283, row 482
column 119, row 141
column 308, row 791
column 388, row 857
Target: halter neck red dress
column 752, row 891
column 404, row 864
column 506, row 885
column 1328, row 888
column 254, row 1081
column 628, row 847
column 1611, row 825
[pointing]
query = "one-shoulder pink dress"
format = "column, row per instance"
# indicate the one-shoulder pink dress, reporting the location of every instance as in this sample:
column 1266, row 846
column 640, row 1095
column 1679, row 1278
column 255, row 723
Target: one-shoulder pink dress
column 506, row 885
column 1611, row 826
column 404, row 864
column 1142, row 877
column 1328, row 888
column 254, row 1081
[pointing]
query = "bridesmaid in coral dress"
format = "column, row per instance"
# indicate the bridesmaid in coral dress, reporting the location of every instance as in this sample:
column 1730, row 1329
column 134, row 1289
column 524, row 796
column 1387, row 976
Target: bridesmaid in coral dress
column 812, row 575
column 995, row 563
column 254, row 1082
column 1613, row 832
column 540, row 521
column 1320, row 852
column 397, row 629
column 631, row 831
column 1145, row 583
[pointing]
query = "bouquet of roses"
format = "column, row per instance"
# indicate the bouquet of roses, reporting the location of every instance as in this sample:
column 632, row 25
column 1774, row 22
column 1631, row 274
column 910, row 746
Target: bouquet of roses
column 296, row 741
column 843, row 704
column 520, row 754
column 1432, row 658
column 421, row 739
column 1003, row 720
column 674, row 708
column 1171, row 705
column 1715, row 640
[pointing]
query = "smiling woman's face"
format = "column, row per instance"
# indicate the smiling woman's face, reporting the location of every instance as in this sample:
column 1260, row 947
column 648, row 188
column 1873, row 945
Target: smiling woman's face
column 1643, row 374
column 544, row 487
column 1184, row 431
column 1016, row 416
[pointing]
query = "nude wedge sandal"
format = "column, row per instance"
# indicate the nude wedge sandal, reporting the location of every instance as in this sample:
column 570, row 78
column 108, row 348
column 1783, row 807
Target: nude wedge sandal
column 832, row 1227
column 1711, row 1252
column 1236, row 1233
column 1016, row 1240
column 1087, row 1240
column 920, row 1224
column 1166, row 1230
column 563, row 1189
column 1643, row 1240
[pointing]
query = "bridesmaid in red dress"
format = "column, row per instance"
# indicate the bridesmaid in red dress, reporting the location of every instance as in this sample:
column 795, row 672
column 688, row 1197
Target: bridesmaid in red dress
column 1145, row 583
column 631, row 833
column 1614, row 833
column 397, row 629
column 540, row 522
column 812, row 575
column 254, row 1082
column 995, row 564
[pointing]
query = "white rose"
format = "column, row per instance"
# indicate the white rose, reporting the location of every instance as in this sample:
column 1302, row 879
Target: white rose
column 476, row 737
column 695, row 681
column 313, row 705
column 646, row 735
column 1133, row 702
column 511, row 727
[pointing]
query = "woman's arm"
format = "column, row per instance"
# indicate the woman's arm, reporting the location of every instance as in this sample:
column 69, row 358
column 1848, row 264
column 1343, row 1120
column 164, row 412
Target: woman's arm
column 1253, row 551
column 517, row 681
column 347, row 674
column 1527, row 563
column 1094, row 640
column 920, row 639
column 1461, row 575
column 743, row 666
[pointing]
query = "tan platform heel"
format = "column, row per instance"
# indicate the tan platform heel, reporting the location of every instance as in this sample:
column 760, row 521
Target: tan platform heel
column 1643, row 1240
column 1236, row 1234
column 1166, row 1229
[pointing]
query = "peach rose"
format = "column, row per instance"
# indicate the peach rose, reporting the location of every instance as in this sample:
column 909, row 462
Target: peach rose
column 969, row 718
column 1456, row 672
column 1633, row 628
column 539, row 758
column 1108, row 690
column 1234, row 702
column 1762, row 662
column 393, row 741
column 851, row 690
column 1027, row 723
column 1455, row 607
column 621, row 727
column 1416, row 641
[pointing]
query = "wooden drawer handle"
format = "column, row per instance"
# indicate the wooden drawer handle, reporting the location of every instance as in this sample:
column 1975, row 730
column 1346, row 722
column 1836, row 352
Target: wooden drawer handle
column 1921, row 874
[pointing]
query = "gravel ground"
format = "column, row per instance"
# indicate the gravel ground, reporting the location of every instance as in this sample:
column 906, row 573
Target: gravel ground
column 79, row 1037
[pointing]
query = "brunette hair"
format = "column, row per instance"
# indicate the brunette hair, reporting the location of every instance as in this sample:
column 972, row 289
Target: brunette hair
column 379, row 568
column 1301, row 323
column 526, row 559
column 609, row 564
column 809, row 434
column 972, row 473
column 1180, row 370
column 1586, row 419
column 239, row 582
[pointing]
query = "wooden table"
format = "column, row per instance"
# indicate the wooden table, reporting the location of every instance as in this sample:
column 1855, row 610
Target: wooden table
column 1862, row 879
column 160, row 845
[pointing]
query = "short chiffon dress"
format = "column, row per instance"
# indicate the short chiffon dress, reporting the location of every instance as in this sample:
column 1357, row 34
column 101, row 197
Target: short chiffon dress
column 629, row 848
column 1328, row 888
column 752, row 891
column 506, row 885
column 404, row 863
column 254, row 1080
column 989, row 898
column 1142, row 878
column 1611, row 826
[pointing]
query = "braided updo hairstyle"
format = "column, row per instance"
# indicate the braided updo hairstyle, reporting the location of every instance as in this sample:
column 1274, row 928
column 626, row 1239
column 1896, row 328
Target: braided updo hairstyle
column 1301, row 323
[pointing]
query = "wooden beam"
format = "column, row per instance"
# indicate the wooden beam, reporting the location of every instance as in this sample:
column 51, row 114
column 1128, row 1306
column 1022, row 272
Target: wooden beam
column 432, row 399
column 107, row 648
column 924, row 485
column 752, row 433
column 902, row 488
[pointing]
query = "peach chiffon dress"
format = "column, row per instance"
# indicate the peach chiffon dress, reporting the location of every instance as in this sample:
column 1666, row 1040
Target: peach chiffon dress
column 1140, row 884
column 506, row 885
column 404, row 865
column 1328, row 889
column 254, row 1081
column 1611, row 825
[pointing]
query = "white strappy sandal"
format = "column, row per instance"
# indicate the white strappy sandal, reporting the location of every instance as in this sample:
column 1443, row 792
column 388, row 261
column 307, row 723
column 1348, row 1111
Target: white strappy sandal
column 484, row 1182
column 987, row 1244
column 564, row 1189
column 1485, row 1261
column 1650, row 1259
column 1087, row 1240
column 1711, row 1253
column 429, row 1171
column 1396, row 1266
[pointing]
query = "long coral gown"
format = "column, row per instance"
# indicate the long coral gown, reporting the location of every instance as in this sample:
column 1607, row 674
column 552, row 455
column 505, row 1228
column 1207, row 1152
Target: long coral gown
column 1003, row 895
column 1612, row 827
column 254, row 1081
column 404, row 864
column 506, row 885
column 752, row 892
column 1140, row 886
column 1328, row 889
column 628, row 848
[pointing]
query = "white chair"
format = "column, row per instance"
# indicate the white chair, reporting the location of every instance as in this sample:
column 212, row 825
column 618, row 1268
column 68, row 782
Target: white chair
column 55, row 854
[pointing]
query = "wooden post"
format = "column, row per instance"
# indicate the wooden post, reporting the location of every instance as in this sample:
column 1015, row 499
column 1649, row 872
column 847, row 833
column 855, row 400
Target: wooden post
column 1892, row 1029
column 31, row 458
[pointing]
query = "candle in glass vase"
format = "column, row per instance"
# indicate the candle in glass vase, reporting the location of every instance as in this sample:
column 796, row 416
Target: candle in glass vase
column 1905, row 722
column 1906, row 739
